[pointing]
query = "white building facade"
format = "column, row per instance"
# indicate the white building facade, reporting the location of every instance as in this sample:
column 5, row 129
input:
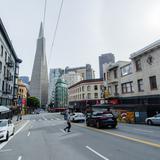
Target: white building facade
column 85, row 93
column 135, row 85
column 9, row 69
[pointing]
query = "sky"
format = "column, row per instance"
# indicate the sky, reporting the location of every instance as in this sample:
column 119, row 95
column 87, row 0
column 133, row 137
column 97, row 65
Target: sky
column 87, row 29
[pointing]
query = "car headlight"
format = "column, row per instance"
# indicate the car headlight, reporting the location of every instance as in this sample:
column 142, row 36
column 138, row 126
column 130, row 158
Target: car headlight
column 2, row 131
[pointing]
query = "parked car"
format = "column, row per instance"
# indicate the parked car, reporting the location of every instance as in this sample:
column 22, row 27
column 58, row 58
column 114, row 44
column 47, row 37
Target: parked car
column 77, row 117
column 101, row 119
column 155, row 120
column 6, row 129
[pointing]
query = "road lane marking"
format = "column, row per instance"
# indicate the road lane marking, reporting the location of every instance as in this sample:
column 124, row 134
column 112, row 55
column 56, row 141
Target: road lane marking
column 95, row 152
column 28, row 134
column 143, row 130
column 157, row 145
column 57, row 118
column 6, row 150
column 19, row 158
column 5, row 143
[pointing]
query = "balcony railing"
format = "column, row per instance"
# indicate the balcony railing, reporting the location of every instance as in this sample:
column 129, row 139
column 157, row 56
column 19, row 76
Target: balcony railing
column 7, row 92
column 8, row 78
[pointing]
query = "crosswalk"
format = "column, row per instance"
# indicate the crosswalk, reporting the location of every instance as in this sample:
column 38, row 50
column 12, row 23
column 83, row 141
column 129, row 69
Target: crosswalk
column 45, row 119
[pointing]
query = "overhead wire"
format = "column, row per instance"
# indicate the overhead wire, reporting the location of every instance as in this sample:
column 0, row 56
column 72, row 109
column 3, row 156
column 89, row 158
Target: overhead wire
column 55, row 31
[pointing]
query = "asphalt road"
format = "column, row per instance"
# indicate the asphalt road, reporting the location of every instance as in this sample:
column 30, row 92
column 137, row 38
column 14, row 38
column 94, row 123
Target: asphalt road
column 41, row 137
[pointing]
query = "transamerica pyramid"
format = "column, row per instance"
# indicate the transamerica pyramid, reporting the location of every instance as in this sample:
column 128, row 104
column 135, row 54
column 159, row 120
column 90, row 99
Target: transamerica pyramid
column 39, row 79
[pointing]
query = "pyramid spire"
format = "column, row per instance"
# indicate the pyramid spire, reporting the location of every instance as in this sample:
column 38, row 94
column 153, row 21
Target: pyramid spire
column 39, row 79
column 41, row 31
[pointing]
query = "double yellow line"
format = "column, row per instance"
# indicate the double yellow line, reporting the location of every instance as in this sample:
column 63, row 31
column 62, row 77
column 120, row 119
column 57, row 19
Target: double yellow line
column 123, row 136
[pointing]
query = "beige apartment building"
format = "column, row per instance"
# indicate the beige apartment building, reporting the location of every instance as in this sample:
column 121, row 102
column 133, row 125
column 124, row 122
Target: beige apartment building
column 85, row 93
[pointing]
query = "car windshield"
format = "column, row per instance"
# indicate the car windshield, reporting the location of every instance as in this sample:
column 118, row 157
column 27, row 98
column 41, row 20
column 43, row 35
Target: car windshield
column 3, row 123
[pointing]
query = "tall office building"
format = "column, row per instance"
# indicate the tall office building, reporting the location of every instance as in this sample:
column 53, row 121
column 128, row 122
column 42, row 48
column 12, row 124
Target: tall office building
column 105, row 58
column 39, row 79
column 85, row 71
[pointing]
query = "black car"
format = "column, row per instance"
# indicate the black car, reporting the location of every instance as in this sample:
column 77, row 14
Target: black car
column 101, row 119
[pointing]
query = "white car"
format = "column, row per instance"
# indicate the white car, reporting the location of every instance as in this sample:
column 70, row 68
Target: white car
column 153, row 120
column 6, row 129
column 77, row 117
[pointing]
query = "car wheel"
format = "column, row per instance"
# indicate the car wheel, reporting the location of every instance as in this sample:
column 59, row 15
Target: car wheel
column 114, row 126
column 149, row 122
column 87, row 124
column 97, row 125
column 7, row 136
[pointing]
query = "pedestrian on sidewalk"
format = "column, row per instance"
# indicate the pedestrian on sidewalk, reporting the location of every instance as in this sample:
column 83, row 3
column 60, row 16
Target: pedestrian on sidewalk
column 68, row 123
column 19, row 113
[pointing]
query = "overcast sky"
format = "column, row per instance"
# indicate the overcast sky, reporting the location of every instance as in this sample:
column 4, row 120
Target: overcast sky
column 87, row 29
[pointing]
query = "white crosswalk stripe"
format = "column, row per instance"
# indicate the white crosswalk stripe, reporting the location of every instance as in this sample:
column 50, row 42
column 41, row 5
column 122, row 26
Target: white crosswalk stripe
column 46, row 119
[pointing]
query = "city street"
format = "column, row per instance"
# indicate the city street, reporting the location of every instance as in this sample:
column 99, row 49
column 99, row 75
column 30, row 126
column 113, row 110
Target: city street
column 41, row 137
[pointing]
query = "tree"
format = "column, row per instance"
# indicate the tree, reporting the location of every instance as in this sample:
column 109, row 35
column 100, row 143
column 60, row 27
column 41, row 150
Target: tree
column 33, row 102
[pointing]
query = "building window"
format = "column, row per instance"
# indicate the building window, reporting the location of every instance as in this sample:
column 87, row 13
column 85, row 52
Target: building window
column 82, row 88
column 109, row 90
column 83, row 96
column 1, row 51
column 140, row 85
column 88, row 88
column 3, row 86
column 5, row 56
column 126, row 70
column 108, row 75
column 4, row 71
column 138, row 65
column 116, row 89
column 153, row 82
column 104, row 76
column 95, row 95
column 0, row 67
column 89, row 95
column 115, row 73
column 127, row 87
column 95, row 87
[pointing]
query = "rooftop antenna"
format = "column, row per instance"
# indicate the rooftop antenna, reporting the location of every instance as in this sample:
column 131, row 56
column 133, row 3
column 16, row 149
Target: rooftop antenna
column 44, row 14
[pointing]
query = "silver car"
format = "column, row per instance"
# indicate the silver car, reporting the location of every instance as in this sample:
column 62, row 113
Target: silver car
column 153, row 120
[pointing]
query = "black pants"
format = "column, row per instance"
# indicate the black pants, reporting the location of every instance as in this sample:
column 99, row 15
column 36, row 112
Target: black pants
column 68, row 127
